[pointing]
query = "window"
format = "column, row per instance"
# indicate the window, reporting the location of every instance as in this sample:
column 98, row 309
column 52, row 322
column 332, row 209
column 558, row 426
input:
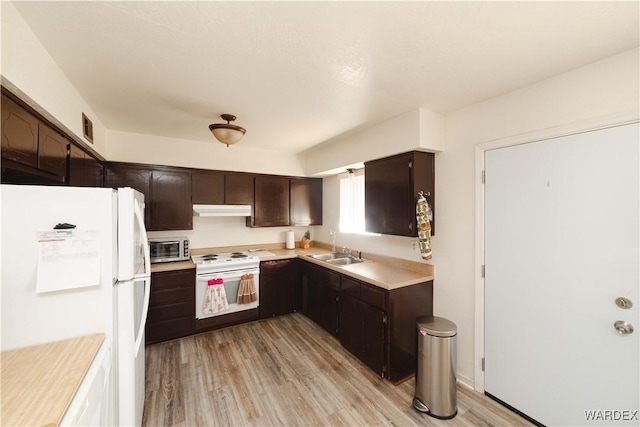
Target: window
column 352, row 201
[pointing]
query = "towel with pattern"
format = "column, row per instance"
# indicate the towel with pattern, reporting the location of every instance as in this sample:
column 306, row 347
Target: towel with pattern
column 424, row 215
column 247, row 290
column 215, row 298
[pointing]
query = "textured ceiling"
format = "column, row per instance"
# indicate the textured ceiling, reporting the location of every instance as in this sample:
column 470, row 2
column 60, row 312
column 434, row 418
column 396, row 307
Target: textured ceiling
column 299, row 73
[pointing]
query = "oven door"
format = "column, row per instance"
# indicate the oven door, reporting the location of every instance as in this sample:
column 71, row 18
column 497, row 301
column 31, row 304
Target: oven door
column 231, row 283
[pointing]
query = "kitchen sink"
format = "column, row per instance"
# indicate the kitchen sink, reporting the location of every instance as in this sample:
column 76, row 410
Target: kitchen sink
column 345, row 261
column 330, row 256
column 336, row 258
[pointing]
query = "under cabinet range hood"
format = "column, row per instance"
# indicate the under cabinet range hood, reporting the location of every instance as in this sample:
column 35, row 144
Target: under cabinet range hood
column 221, row 210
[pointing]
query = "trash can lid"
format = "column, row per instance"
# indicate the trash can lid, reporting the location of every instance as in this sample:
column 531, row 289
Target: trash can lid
column 437, row 326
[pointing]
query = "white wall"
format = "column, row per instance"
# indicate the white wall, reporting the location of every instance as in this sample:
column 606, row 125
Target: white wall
column 414, row 130
column 138, row 148
column 28, row 66
column 601, row 89
column 210, row 232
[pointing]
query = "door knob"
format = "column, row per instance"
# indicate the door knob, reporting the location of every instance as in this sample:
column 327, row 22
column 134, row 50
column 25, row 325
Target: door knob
column 623, row 302
column 623, row 328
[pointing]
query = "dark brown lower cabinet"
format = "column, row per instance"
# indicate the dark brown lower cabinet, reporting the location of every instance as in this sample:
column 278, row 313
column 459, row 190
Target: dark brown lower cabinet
column 320, row 291
column 362, row 331
column 222, row 321
column 279, row 287
column 376, row 325
column 172, row 309
column 404, row 306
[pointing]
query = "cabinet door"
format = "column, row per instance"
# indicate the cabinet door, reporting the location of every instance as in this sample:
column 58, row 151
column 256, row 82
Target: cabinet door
column 84, row 170
column 350, row 323
column 77, row 158
column 328, row 301
column 171, row 208
column 387, row 194
column 121, row 175
column 207, row 188
column 93, row 172
column 52, row 151
column 310, row 299
column 271, row 201
column 238, row 188
column 279, row 287
column 391, row 190
column 361, row 331
column 19, row 133
column 306, row 201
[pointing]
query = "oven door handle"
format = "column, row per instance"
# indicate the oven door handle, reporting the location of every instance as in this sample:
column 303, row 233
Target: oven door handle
column 228, row 274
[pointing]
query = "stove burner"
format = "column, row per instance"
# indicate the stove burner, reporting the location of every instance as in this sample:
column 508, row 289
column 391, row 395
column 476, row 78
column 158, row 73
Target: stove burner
column 211, row 257
column 238, row 255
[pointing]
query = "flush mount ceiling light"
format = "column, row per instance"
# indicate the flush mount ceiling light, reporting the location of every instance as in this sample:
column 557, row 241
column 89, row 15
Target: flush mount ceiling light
column 226, row 132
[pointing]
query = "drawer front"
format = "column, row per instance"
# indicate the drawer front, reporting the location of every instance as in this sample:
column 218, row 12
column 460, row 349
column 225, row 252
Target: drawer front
column 169, row 280
column 171, row 312
column 171, row 297
column 330, row 279
column 169, row 330
column 350, row 286
column 322, row 275
column 279, row 267
column 373, row 295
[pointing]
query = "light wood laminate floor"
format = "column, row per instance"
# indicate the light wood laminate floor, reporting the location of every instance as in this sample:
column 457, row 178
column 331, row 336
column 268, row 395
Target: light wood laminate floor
column 285, row 371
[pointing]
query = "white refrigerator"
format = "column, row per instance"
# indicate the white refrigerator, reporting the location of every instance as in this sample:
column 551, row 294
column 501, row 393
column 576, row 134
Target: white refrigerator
column 93, row 278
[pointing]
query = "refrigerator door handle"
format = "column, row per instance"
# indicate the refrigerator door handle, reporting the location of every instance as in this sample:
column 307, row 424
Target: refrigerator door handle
column 143, row 320
column 137, row 213
column 146, row 276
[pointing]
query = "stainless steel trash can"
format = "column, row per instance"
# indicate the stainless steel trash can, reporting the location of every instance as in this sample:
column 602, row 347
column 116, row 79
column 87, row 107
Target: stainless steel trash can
column 436, row 371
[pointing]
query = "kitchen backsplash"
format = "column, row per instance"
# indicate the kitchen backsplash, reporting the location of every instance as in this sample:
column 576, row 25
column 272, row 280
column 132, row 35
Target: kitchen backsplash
column 231, row 231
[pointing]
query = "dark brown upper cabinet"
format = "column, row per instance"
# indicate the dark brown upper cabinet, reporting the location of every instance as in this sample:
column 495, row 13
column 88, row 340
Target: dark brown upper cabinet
column 52, row 151
column 19, row 134
column 207, row 188
column 84, row 169
column 167, row 193
column 171, row 207
column 271, row 208
column 30, row 147
column 238, row 188
column 306, row 201
column 391, row 191
column 126, row 175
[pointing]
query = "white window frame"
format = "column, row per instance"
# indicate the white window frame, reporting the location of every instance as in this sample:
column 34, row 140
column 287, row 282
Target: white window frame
column 352, row 202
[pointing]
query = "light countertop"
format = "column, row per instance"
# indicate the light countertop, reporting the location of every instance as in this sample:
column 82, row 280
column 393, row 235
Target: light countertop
column 385, row 275
column 377, row 273
column 39, row 382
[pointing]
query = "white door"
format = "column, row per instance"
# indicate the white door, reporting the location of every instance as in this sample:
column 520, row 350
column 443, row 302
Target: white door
column 561, row 245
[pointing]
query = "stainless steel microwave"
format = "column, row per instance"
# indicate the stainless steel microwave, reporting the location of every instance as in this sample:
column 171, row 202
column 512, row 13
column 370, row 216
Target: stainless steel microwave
column 168, row 249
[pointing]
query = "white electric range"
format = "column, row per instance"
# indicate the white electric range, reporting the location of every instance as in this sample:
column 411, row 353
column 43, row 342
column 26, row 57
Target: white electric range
column 226, row 269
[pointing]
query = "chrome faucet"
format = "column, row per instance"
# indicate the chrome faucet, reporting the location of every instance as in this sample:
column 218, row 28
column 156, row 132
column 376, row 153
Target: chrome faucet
column 333, row 240
column 346, row 250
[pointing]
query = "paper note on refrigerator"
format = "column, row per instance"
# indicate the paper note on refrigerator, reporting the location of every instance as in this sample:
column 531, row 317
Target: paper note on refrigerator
column 67, row 259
